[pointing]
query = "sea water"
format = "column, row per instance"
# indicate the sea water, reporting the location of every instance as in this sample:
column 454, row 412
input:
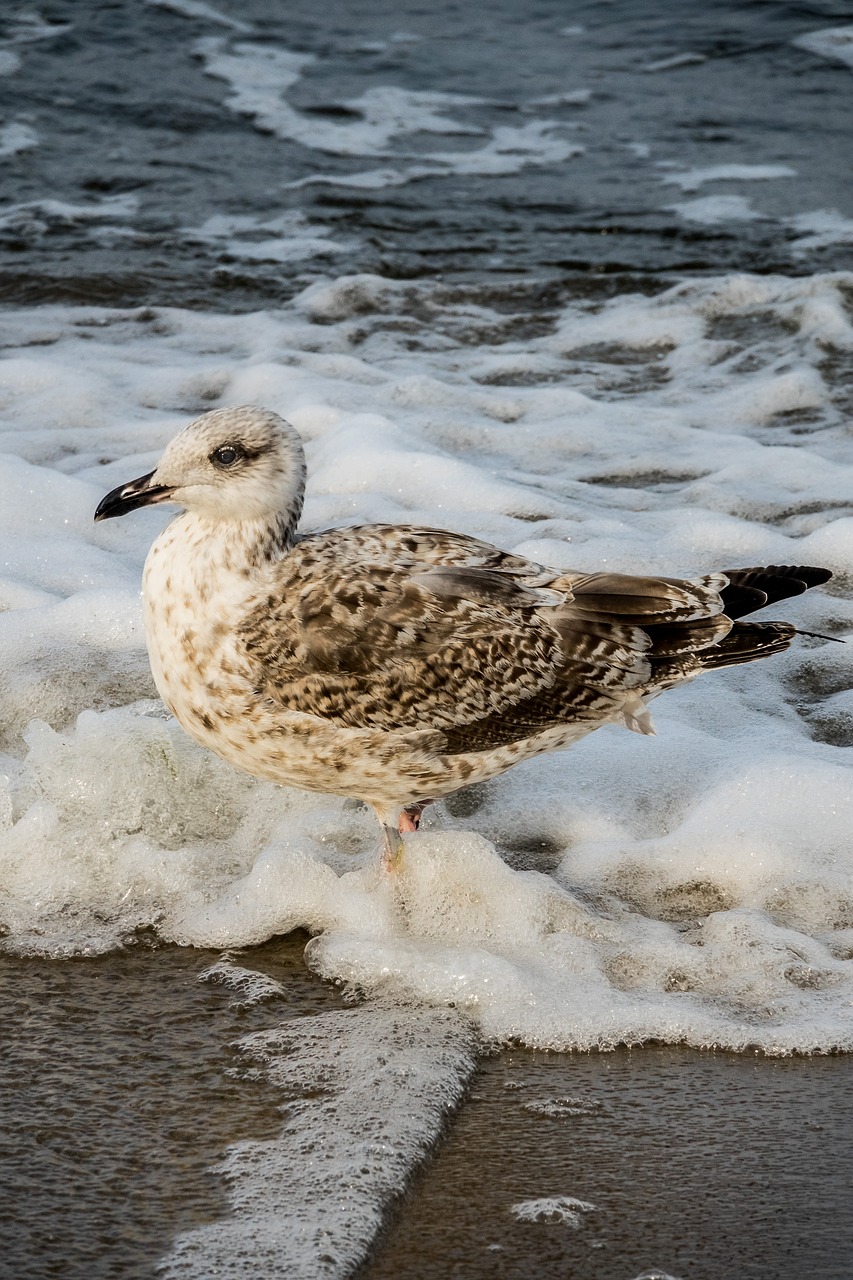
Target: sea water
column 451, row 361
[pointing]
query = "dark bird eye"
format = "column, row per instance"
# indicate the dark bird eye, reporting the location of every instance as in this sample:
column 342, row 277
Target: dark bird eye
column 227, row 455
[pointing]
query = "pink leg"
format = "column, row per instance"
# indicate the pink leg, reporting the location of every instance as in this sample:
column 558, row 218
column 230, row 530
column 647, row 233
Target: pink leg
column 410, row 817
column 409, row 820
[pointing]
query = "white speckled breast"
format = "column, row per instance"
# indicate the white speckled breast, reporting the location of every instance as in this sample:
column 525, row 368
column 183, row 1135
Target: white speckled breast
column 198, row 585
column 193, row 600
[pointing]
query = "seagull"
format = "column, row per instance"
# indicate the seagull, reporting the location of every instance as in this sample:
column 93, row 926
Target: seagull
column 396, row 664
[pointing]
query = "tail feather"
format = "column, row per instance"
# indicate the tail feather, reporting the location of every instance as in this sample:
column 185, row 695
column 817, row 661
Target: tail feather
column 747, row 641
column 689, row 626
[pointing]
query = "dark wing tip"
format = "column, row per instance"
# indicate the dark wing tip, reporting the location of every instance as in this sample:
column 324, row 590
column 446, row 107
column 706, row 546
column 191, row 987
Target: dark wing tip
column 773, row 582
column 810, row 575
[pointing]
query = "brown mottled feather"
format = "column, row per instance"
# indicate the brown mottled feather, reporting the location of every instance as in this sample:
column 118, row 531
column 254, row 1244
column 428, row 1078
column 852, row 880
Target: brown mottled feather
column 402, row 628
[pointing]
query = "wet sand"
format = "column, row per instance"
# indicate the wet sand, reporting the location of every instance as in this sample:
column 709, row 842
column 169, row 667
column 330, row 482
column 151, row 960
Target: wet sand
column 120, row 1092
column 700, row 1166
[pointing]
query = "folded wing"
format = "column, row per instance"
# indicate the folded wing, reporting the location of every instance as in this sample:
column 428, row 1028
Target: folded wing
column 402, row 629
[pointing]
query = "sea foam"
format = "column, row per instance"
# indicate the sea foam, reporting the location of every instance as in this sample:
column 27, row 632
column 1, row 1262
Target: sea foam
column 694, row 887
column 367, row 1095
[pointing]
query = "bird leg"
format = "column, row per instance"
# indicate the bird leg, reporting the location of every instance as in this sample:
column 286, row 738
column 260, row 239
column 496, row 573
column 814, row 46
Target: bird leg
column 392, row 852
column 410, row 816
column 409, row 819
column 392, row 840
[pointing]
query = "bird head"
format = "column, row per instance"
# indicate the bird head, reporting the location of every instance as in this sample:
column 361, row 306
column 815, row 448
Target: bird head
column 229, row 464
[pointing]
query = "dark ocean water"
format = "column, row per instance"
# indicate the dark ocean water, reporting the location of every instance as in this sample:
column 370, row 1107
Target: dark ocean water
column 133, row 146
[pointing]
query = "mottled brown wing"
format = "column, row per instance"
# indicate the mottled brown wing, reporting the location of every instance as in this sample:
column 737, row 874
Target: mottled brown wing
column 377, row 647
column 402, row 628
column 616, row 631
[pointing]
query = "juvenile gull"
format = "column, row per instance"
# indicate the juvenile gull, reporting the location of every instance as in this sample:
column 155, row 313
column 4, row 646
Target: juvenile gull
column 394, row 663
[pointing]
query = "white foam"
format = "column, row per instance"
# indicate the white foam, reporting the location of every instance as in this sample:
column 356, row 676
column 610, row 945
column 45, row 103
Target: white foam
column 712, row 210
column 567, row 1210
column 28, row 26
column 571, row 98
column 197, row 9
column 248, row 238
column 833, row 43
column 822, row 228
column 368, row 1092
column 250, row 986
column 367, row 179
column 674, row 61
column 260, row 74
column 16, row 137
column 36, row 216
column 563, row 1108
column 693, row 179
column 690, row 888
column 656, row 1274
column 510, row 149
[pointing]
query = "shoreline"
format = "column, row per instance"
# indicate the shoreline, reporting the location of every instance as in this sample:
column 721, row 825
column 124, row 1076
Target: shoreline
column 701, row 1164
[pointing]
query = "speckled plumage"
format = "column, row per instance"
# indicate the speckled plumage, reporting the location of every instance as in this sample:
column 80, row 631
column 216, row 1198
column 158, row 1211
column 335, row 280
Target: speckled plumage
column 394, row 663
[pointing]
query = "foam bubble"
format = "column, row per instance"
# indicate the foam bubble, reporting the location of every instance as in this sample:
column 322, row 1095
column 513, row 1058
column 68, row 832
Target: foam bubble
column 656, row 1274
column 567, row 1210
column 562, row 1108
column 250, row 986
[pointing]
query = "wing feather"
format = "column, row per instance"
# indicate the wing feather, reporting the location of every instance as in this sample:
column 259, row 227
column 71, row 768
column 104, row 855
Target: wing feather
column 404, row 628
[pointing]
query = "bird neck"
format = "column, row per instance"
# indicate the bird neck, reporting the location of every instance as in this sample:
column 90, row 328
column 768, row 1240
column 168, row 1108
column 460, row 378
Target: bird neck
column 242, row 545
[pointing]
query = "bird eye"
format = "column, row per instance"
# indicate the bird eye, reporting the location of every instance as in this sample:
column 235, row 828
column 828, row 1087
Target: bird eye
column 227, row 455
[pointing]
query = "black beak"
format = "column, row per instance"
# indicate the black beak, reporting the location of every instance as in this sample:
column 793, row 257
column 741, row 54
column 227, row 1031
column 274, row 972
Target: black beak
column 127, row 497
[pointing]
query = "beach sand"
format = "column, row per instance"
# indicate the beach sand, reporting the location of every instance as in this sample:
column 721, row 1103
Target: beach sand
column 121, row 1091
